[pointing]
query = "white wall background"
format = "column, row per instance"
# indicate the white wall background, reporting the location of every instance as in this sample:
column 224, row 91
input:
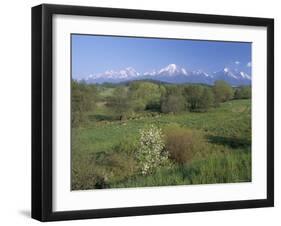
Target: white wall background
column 15, row 104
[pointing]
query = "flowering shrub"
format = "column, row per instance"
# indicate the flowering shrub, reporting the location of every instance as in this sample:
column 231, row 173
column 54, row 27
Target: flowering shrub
column 151, row 153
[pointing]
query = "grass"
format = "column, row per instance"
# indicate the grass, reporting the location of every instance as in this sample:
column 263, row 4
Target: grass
column 219, row 168
column 227, row 130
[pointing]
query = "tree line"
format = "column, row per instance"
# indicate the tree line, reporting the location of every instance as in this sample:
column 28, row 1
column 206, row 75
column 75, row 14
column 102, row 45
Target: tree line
column 139, row 96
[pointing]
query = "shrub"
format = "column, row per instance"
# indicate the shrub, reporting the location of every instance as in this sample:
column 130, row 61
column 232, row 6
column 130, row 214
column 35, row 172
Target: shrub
column 150, row 153
column 100, row 169
column 121, row 166
column 183, row 145
column 207, row 99
column 87, row 175
column 138, row 105
column 172, row 100
column 198, row 98
column 119, row 102
column 193, row 94
column 173, row 104
column 83, row 99
column 222, row 92
column 143, row 95
column 243, row 92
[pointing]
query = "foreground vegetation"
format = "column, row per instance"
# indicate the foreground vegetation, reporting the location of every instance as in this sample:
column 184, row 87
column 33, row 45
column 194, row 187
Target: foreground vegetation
column 149, row 134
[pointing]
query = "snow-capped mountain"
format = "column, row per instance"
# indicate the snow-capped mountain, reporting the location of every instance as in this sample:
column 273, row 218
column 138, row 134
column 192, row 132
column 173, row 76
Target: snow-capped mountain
column 112, row 76
column 233, row 77
column 172, row 74
column 172, row 70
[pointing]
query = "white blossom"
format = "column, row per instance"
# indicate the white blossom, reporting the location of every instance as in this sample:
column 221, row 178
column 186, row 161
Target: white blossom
column 151, row 152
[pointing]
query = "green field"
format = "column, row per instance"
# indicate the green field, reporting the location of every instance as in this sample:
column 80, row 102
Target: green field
column 102, row 155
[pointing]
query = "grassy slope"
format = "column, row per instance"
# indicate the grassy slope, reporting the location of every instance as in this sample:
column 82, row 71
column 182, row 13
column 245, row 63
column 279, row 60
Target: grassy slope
column 227, row 128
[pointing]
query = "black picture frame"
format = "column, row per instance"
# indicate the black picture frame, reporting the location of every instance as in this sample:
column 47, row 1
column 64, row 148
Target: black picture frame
column 42, row 106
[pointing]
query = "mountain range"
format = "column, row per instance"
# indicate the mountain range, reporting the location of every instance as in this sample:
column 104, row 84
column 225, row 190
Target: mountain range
column 172, row 74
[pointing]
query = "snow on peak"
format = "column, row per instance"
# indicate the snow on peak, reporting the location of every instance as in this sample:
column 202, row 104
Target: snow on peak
column 128, row 72
column 131, row 70
column 233, row 76
column 236, row 74
column 201, row 73
column 172, row 69
column 184, row 71
column 172, row 73
column 245, row 75
column 152, row 73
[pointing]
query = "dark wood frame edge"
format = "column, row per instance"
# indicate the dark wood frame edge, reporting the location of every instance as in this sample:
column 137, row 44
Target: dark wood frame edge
column 42, row 112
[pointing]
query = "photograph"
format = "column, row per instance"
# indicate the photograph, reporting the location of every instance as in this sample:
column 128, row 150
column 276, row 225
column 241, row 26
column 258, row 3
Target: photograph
column 149, row 111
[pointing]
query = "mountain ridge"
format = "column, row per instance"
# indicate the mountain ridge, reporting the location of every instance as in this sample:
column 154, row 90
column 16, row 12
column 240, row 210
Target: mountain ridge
column 172, row 74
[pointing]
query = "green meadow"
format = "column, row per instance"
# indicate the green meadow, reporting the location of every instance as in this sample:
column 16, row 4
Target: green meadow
column 151, row 134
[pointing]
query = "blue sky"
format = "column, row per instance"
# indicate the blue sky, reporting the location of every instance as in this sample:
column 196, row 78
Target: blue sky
column 95, row 54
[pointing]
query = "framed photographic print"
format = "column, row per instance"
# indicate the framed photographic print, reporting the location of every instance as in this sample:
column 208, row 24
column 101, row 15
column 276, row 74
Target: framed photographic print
column 145, row 112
